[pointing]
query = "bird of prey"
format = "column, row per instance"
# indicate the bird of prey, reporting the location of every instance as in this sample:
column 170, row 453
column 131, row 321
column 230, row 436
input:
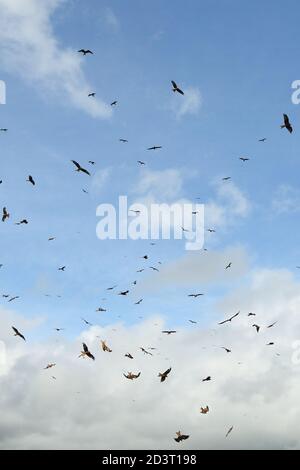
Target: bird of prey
column 270, row 344
column 92, row 94
column 194, row 295
column 50, row 239
column 85, row 51
column 141, row 163
column 23, row 221
column 207, row 379
column 229, row 319
column 79, row 168
column 31, row 180
column 138, row 302
column 228, row 265
column 204, row 410
column 105, row 347
column 132, row 376
column 169, row 332
column 129, row 355
column 272, row 324
column 244, row 159
column 125, row 292
column 3, row 129
column 58, row 329
column 229, row 431
column 86, row 322
column 164, row 375
column 62, row 268
column 287, row 123
column 192, row 321
column 251, row 314
column 14, row 298
column 17, row 333
column 262, row 140
column 226, row 349
column 123, row 140
column 226, row 178
column 140, row 270
column 211, row 230
column 48, row 366
column 175, row 88
column 145, row 351
column 86, row 352
column 100, row 309
column 155, row 147
column 5, row 214
column 257, row 327
column 180, row 437
column 113, row 103
column 153, row 268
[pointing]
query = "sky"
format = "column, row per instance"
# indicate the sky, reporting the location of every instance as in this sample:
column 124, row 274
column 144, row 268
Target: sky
column 236, row 62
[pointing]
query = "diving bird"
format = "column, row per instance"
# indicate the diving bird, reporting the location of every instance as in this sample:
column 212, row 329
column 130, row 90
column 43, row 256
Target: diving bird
column 105, row 347
column 86, row 352
column 17, row 333
column 155, row 147
column 175, row 88
column 79, row 168
column 132, row 376
column 5, row 214
column 31, row 180
column 180, row 437
column 85, row 51
column 229, row 319
column 164, row 375
column 287, row 123
column 204, row 410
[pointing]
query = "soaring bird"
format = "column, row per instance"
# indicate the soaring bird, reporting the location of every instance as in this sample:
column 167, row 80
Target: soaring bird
column 193, row 321
column 180, row 437
column 105, row 347
column 113, row 103
column 141, row 163
column 226, row 178
column 211, row 230
column 153, row 268
column 23, row 221
column 3, row 129
column 91, row 162
column 207, row 379
column 123, row 140
column 228, row 265
column 17, row 333
column 287, row 123
column 155, row 147
column 226, row 349
column 86, row 322
column 175, row 88
column 111, row 288
column 229, row 431
column 169, row 332
column 51, row 239
column 48, row 366
column 262, row 140
column 204, row 410
column 125, row 292
column 13, row 298
column 92, row 94
column 145, row 351
column 100, row 309
column 62, row 268
column 257, row 327
column 85, row 51
column 195, row 295
column 132, row 376
column 5, row 214
column 31, row 180
column 86, row 352
column 164, row 375
column 138, row 302
column 229, row 319
column 58, row 329
column 79, row 168
column 244, row 159
column 251, row 314
column 272, row 324
column 129, row 355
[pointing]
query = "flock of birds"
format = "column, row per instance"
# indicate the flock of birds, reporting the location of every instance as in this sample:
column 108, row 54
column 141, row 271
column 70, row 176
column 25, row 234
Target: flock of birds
column 85, row 352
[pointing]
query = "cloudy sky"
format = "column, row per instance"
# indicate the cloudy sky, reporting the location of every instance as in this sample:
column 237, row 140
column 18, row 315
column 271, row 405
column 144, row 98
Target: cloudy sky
column 236, row 62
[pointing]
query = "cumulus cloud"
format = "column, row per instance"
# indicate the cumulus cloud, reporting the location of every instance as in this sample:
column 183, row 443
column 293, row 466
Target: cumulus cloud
column 249, row 388
column 29, row 49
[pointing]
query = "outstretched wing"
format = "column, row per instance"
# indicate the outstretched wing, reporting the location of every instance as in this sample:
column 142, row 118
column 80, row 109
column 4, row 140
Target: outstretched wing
column 174, row 84
column 85, row 348
column 85, row 171
column 76, row 164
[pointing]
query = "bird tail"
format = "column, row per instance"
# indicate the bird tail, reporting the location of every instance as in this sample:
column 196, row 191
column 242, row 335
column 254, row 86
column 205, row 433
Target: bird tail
column 282, row 126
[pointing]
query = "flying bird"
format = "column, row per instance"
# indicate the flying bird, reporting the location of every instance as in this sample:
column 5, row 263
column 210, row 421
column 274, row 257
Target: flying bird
column 129, row 355
column 169, row 332
column 192, row 321
column 62, row 268
column 262, row 140
column 228, row 265
column 226, row 178
column 132, row 376
column 105, row 347
column 31, row 180
column 204, row 410
column 180, row 437
column 272, row 324
column 229, row 319
column 207, row 379
column 48, row 366
column 251, row 314
column 287, row 123
column 226, row 349
column 3, row 129
column 100, row 309
column 23, row 221
column 153, row 268
column 270, row 344
column 85, row 51
column 13, row 298
column 138, row 302
column 86, row 352
column 125, row 292
column 229, row 431
column 5, row 214
column 257, row 327
column 79, row 168
column 244, row 159
column 164, row 375
column 17, row 333
column 123, row 140
column 86, row 322
column 141, row 163
column 91, row 162
column 155, row 147
column 113, row 103
column 146, row 352
column 175, row 88
column 194, row 295
column 92, row 94
column 211, row 230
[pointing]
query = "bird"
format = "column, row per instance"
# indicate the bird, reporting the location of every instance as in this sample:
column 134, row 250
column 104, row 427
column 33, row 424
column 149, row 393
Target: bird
column 228, row 265
column 207, row 379
column 91, row 162
column 251, row 314
column 79, row 168
column 164, row 375
column 123, row 140
column 226, row 178
column 13, row 298
column 86, row 352
column 48, row 366
column 146, row 256
column 113, row 103
column 153, row 268
column 195, row 295
column 129, row 355
column 23, row 221
column 287, row 123
column 58, row 329
column 62, row 268
column 262, row 140
column 204, row 410
column 270, row 344
column 111, row 288
column 100, row 309
column 155, row 147
column 5, row 214
column 180, row 437
column 226, row 349
column 86, row 322
column 85, row 51
column 31, row 180
column 105, row 347
column 125, row 292
column 192, row 321
column 211, row 230
column 244, row 159
column 272, row 324
column 140, row 270
column 145, row 351
column 92, row 94
column 229, row 431
column 141, row 163
column 175, row 88
column 3, row 129
column 229, row 319
column 257, row 327
column 17, row 333
column 138, row 302
column 132, row 376
column 51, row 239
column 169, row 332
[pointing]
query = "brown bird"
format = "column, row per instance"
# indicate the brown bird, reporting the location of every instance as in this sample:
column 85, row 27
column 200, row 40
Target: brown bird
column 180, row 437
column 204, row 410
column 132, row 376
column 287, row 123
column 86, row 352
column 48, row 366
column 31, row 180
column 17, row 333
column 229, row 319
column 79, row 168
column 105, row 347
column 175, row 88
column 5, row 214
column 129, row 355
column 164, row 375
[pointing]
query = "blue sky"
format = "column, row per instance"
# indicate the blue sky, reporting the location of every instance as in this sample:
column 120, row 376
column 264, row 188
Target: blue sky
column 241, row 59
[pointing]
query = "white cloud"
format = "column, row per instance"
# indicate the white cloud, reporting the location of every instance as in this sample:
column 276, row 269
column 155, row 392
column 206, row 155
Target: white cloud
column 286, row 200
column 111, row 19
column 190, row 103
column 29, row 49
column 100, row 178
column 161, row 185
